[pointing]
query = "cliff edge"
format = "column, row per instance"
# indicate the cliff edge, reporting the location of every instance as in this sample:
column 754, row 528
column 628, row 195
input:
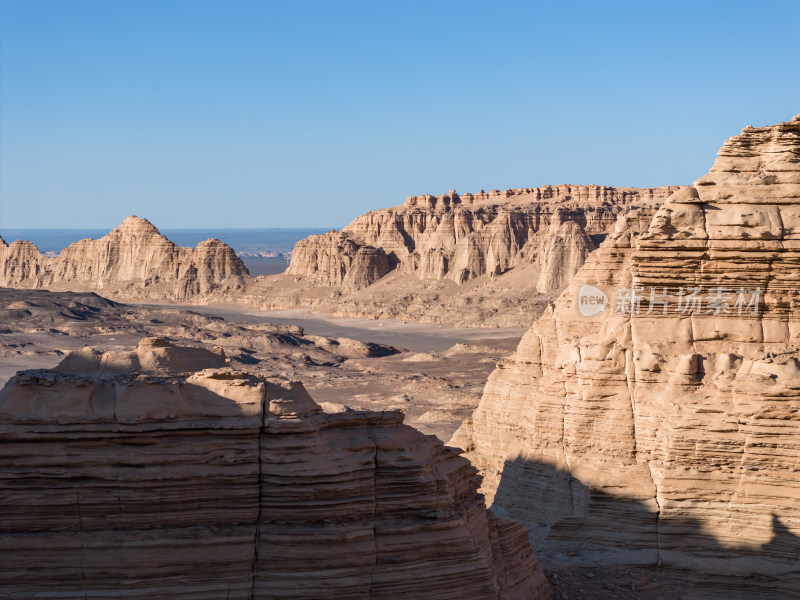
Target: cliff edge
column 161, row 473
column 652, row 415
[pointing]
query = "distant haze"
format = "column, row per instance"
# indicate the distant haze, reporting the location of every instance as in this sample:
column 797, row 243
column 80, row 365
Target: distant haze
column 207, row 113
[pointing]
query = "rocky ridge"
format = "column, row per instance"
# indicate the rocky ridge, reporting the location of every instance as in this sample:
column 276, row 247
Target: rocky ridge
column 163, row 473
column 487, row 259
column 133, row 261
column 461, row 237
column 491, row 259
column 661, row 428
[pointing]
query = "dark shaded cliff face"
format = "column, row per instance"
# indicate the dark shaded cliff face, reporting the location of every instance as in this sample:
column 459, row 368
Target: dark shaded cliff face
column 663, row 429
column 162, row 473
column 132, row 261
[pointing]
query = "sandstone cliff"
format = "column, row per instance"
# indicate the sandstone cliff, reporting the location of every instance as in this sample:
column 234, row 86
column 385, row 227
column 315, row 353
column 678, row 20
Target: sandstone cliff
column 334, row 259
column 488, row 259
column 164, row 474
column 460, row 237
column 663, row 426
column 132, row 261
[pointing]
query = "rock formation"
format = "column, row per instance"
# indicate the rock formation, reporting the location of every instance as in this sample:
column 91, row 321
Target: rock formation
column 562, row 251
column 163, row 473
column 334, row 259
column 132, row 261
column 488, row 259
column 491, row 259
column 652, row 414
column 463, row 237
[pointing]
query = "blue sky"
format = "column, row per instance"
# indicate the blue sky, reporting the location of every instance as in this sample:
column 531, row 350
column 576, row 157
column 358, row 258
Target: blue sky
column 305, row 114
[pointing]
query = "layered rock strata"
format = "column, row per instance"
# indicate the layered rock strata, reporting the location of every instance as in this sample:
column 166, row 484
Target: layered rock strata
column 652, row 414
column 334, row 259
column 461, row 237
column 162, row 473
column 132, row 261
column 489, row 260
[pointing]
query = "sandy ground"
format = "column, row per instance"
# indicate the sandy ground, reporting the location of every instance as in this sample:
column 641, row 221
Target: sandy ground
column 408, row 335
column 434, row 374
column 437, row 380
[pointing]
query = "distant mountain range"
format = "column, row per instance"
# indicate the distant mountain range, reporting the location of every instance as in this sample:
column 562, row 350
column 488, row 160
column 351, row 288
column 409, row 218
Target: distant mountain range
column 266, row 243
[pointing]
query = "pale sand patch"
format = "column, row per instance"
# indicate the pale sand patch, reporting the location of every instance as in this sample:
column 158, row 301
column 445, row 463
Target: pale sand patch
column 416, row 337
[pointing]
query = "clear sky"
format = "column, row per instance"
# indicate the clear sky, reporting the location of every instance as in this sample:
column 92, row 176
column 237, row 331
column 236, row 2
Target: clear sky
column 238, row 113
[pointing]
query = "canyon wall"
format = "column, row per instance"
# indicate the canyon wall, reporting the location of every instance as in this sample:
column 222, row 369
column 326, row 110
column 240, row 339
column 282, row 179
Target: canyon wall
column 488, row 259
column 132, row 261
column 334, row 259
column 652, row 414
column 164, row 474
column 461, row 237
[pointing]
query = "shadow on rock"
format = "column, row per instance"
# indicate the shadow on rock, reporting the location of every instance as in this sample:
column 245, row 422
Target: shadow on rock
column 572, row 523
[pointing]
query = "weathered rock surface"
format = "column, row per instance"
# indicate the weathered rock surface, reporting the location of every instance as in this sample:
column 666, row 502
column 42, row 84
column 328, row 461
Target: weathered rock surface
column 664, row 430
column 488, row 259
column 161, row 473
column 334, row 259
column 491, row 259
column 462, row 237
column 38, row 327
column 132, row 261
column 562, row 251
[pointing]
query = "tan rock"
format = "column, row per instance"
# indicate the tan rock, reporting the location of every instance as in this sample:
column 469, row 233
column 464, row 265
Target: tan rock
column 132, row 261
column 653, row 433
column 333, row 259
column 161, row 481
column 485, row 259
column 562, row 251
column 442, row 237
column 488, row 259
